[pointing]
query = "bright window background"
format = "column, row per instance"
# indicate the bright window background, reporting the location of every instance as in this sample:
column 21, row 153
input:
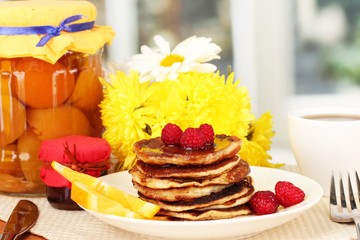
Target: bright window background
column 327, row 46
column 296, row 54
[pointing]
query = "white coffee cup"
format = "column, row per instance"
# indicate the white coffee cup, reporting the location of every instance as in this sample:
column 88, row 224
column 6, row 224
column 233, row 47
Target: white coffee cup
column 325, row 141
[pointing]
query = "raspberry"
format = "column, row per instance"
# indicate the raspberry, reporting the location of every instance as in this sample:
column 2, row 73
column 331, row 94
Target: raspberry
column 170, row 134
column 208, row 132
column 288, row 194
column 192, row 138
column 264, row 202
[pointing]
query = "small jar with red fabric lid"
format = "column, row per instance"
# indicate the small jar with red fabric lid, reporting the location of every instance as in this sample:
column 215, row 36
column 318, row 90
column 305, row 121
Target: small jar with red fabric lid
column 84, row 154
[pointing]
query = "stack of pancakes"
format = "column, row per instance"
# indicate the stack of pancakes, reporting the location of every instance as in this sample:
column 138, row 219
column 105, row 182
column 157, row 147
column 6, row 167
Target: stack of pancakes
column 210, row 183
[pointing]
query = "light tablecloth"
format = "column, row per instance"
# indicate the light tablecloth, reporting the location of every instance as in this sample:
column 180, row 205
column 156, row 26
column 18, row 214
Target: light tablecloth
column 56, row 224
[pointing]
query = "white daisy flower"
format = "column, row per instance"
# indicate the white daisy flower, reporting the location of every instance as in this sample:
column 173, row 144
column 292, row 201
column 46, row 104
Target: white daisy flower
column 162, row 63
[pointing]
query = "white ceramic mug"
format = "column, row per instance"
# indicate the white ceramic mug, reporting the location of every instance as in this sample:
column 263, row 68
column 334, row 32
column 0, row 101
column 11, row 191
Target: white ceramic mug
column 325, row 140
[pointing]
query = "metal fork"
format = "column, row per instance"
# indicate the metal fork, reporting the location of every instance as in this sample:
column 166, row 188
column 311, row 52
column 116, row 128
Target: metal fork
column 345, row 213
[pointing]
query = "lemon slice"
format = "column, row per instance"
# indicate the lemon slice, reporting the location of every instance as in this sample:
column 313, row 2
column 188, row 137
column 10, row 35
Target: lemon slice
column 128, row 201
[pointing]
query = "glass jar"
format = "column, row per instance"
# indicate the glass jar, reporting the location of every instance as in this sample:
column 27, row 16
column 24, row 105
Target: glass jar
column 42, row 101
column 47, row 91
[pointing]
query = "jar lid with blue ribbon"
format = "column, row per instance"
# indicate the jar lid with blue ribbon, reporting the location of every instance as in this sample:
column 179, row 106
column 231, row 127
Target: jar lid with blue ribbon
column 48, row 29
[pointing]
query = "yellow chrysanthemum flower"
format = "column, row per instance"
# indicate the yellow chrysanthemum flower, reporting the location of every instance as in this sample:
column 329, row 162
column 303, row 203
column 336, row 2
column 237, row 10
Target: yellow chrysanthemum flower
column 257, row 143
column 261, row 131
column 195, row 98
column 124, row 115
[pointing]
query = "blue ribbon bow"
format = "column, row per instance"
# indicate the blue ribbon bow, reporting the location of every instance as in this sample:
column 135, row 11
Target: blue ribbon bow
column 50, row 31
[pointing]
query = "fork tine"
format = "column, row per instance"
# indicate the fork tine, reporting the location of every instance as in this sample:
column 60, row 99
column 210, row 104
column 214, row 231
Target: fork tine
column 342, row 194
column 351, row 195
column 344, row 215
column 332, row 191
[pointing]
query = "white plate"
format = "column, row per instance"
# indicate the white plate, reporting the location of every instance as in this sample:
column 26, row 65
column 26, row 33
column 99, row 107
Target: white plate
column 264, row 179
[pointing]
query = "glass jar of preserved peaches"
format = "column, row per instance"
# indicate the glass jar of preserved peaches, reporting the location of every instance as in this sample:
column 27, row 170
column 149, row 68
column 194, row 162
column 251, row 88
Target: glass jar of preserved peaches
column 49, row 83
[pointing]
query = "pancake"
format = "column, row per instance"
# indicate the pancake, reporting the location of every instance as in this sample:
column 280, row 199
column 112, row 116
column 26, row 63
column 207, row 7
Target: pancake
column 178, row 194
column 228, row 204
column 212, row 214
column 206, row 184
column 241, row 190
column 233, row 175
column 188, row 171
column 154, row 151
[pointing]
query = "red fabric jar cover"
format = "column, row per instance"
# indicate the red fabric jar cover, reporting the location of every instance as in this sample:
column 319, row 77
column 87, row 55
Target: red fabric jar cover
column 89, row 155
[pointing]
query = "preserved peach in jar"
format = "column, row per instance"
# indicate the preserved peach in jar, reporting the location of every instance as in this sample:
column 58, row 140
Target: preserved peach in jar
column 49, row 84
